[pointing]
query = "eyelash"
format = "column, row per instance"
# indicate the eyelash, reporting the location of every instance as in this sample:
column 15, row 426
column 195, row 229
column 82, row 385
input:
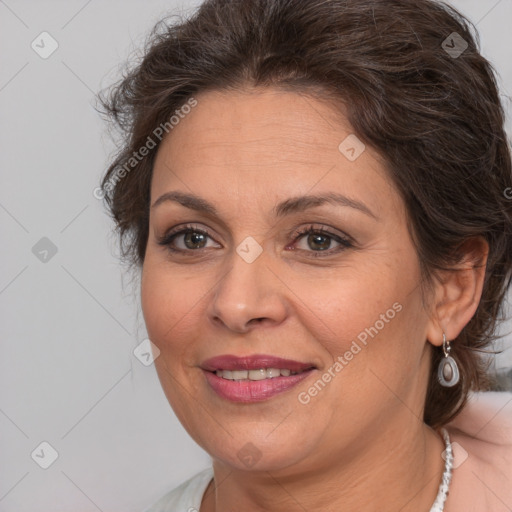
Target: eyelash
column 167, row 239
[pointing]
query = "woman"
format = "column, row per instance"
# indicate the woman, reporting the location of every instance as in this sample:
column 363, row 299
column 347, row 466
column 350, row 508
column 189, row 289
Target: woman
column 314, row 192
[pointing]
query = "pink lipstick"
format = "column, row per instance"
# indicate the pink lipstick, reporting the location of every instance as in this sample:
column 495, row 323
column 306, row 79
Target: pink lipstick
column 253, row 378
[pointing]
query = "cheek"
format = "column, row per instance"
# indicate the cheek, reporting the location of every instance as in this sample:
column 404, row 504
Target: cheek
column 353, row 306
column 374, row 321
column 167, row 303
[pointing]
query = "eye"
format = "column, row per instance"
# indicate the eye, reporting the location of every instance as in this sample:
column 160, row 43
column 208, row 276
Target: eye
column 316, row 240
column 319, row 240
column 191, row 238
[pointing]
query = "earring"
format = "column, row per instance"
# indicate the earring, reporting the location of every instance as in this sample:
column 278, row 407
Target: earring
column 448, row 371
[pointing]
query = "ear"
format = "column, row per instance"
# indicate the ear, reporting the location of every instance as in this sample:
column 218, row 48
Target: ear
column 457, row 292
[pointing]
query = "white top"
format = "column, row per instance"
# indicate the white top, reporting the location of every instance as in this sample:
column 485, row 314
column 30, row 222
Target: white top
column 483, row 428
column 186, row 497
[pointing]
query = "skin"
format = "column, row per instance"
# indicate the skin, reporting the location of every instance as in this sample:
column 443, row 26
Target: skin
column 360, row 443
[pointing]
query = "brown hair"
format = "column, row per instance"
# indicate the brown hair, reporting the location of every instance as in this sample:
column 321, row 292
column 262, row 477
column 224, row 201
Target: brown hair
column 412, row 90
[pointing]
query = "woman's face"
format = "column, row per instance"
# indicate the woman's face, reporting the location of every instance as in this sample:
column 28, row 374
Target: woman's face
column 249, row 286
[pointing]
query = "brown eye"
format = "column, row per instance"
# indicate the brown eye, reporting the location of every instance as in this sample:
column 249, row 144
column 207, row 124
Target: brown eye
column 319, row 240
column 194, row 238
column 188, row 239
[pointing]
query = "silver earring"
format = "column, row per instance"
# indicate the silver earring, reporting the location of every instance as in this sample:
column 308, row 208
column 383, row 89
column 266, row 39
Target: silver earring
column 448, row 371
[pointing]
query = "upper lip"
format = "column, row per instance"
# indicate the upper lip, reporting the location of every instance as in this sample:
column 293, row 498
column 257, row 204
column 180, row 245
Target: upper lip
column 253, row 362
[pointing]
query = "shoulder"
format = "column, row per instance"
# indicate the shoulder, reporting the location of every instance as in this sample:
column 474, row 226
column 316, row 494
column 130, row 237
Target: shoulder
column 482, row 444
column 186, row 497
column 485, row 424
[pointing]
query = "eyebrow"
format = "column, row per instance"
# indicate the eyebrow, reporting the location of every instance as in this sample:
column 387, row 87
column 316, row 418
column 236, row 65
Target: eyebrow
column 286, row 207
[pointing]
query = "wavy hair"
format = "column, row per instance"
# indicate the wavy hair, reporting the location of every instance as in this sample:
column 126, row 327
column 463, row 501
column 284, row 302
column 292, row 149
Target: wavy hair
column 415, row 88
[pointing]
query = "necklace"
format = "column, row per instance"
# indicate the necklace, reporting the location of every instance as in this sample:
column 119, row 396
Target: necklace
column 442, row 493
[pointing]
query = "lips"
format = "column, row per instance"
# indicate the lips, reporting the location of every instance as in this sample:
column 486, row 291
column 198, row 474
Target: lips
column 253, row 378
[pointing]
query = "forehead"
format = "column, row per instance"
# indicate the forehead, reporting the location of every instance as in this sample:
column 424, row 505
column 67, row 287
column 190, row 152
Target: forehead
column 261, row 142
column 266, row 122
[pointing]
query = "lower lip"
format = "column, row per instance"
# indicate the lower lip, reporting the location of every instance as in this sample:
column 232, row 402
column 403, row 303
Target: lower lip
column 253, row 390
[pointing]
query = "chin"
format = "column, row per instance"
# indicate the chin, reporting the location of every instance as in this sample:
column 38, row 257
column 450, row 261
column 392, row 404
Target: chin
column 257, row 451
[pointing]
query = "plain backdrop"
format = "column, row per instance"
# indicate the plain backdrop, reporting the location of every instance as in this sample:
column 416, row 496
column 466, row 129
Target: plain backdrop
column 70, row 318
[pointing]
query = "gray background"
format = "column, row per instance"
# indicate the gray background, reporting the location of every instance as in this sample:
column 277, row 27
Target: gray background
column 70, row 323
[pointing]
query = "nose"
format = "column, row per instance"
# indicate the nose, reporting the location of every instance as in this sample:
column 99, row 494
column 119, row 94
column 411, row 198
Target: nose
column 247, row 295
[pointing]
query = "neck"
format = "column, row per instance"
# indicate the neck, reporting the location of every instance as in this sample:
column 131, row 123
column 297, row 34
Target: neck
column 399, row 470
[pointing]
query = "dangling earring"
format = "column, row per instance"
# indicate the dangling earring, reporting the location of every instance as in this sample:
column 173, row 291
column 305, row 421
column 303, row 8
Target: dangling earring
column 448, row 371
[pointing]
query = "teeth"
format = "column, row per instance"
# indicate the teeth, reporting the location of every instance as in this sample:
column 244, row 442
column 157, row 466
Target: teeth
column 257, row 374
column 272, row 372
column 238, row 374
column 261, row 374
